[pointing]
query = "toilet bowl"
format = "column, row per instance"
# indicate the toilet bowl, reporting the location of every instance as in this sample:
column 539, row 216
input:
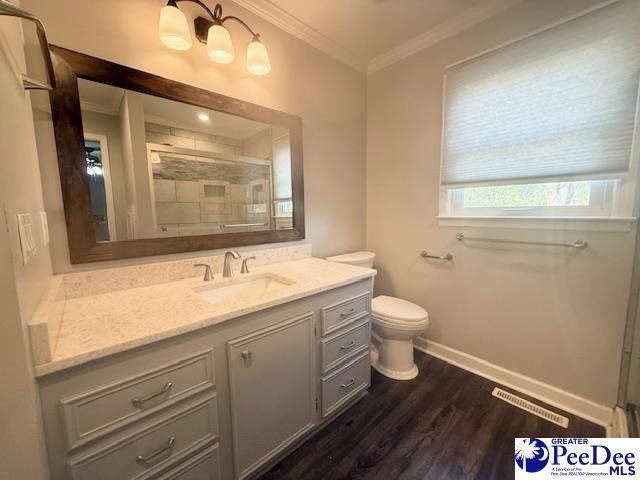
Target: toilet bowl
column 395, row 324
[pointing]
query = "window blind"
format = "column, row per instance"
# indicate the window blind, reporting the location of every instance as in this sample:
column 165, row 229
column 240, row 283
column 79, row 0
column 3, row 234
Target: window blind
column 557, row 105
column 282, row 168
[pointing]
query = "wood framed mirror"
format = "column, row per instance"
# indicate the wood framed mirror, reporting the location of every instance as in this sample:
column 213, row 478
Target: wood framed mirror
column 150, row 166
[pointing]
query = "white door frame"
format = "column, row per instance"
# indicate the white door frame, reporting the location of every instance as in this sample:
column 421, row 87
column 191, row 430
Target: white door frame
column 106, row 175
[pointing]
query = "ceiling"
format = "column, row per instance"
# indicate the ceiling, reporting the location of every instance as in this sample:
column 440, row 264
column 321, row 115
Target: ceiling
column 182, row 115
column 372, row 34
column 106, row 99
column 371, row 27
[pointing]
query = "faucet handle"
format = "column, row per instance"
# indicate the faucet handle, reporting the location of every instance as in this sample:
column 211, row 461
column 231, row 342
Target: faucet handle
column 245, row 268
column 207, row 271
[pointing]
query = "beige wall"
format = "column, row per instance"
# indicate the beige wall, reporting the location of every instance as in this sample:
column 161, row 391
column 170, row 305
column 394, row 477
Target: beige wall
column 555, row 317
column 329, row 97
column 134, row 153
column 108, row 125
column 21, row 287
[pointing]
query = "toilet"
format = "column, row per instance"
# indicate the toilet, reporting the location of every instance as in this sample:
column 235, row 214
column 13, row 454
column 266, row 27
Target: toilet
column 395, row 323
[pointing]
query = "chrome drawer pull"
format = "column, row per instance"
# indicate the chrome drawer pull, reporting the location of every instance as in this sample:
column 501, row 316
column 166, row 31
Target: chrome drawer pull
column 348, row 312
column 348, row 345
column 348, row 384
column 145, row 459
column 140, row 401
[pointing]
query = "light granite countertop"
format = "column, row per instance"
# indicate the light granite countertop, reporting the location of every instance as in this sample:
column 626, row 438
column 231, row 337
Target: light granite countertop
column 96, row 326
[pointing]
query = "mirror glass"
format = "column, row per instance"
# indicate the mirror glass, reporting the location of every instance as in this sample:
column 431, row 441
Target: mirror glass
column 161, row 168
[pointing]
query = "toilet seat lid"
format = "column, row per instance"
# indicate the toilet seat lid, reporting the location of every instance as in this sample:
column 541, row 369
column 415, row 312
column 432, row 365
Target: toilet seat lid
column 353, row 257
column 397, row 309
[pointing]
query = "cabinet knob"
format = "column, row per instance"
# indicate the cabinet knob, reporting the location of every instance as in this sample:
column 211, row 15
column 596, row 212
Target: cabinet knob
column 246, row 354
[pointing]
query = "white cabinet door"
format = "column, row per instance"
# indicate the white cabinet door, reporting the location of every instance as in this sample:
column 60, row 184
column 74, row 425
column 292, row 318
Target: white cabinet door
column 273, row 390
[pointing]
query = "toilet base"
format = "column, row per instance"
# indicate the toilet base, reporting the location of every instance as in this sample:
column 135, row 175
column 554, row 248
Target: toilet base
column 394, row 374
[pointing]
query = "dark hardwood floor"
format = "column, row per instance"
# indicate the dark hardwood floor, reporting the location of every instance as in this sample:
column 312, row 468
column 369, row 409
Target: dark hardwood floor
column 445, row 424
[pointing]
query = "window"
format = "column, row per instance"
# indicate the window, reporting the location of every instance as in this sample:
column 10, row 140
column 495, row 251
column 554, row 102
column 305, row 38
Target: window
column 283, row 208
column 544, row 126
column 282, row 203
column 568, row 199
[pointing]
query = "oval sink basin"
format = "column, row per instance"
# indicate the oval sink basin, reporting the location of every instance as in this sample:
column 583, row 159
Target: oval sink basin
column 254, row 286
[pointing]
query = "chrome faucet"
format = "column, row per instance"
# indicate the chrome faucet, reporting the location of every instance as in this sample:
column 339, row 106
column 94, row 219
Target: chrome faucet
column 208, row 276
column 229, row 256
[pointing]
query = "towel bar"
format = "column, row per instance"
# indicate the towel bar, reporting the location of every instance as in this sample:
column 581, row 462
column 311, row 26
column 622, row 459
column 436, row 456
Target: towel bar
column 578, row 244
column 448, row 257
column 9, row 9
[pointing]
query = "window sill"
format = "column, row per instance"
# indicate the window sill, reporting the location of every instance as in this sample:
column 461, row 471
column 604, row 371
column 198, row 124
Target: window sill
column 603, row 224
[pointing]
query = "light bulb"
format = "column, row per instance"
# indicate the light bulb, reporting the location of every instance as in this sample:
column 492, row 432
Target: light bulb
column 219, row 45
column 258, row 58
column 173, row 29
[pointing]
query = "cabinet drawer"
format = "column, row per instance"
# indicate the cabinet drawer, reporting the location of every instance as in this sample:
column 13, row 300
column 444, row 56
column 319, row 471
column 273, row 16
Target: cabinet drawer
column 341, row 386
column 204, row 466
column 342, row 345
column 100, row 411
column 340, row 314
column 145, row 453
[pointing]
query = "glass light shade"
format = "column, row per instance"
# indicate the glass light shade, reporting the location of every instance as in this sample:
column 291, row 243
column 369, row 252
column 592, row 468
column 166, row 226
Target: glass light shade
column 258, row 58
column 219, row 45
column 174, row 29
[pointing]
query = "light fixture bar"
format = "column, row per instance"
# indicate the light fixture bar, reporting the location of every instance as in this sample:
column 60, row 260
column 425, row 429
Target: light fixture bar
column 174, row 33
column 202, row 26
column 173, row 3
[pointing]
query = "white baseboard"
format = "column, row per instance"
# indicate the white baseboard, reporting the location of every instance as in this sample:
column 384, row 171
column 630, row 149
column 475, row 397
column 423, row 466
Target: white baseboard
column 618, row 427
column 569, row 402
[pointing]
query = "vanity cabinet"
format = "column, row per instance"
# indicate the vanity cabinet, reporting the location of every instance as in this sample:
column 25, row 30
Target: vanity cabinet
column 273, row 392
column 203, row 466
column 146, row 452
column 225, row 401
column 135, row 415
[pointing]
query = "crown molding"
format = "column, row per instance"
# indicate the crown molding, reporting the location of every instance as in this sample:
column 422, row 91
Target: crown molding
column 294, row 26
column 112, row 109
column 282, row 19
column 464, row 20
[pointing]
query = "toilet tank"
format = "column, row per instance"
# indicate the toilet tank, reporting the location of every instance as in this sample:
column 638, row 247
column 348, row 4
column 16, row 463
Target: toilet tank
column 360, row 259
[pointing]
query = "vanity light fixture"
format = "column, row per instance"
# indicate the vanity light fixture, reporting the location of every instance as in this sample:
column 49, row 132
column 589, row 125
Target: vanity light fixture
column 203, row 117
column 174, row 32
